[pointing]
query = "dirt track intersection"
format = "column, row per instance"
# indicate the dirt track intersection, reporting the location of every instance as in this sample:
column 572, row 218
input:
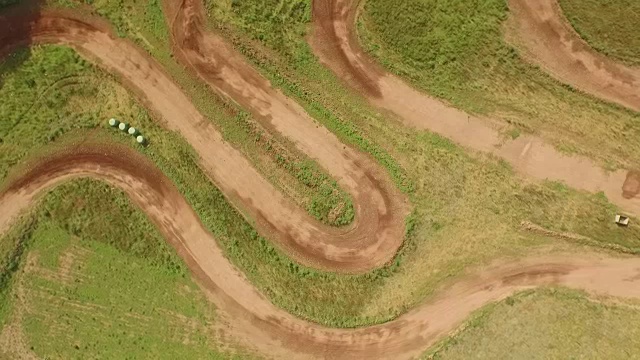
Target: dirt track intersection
column 377, row 232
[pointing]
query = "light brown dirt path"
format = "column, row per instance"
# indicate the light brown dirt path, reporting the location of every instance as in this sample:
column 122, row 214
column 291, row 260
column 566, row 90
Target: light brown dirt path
column 256, row 320
column 380, row 207
column 334, row 41
column 552, row 43
column 271, row 330
column 378, row 229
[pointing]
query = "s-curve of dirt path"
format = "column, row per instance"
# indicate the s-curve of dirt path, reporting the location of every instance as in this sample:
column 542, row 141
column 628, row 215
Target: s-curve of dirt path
column 552, row 43
column 335, row 42
column 380, row 207
column 256, row 320
column 378, row 229
column 273, row 331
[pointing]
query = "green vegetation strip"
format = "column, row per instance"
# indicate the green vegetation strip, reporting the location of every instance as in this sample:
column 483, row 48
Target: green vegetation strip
column 610, row 27
column 275, row 157
column 90, row 276
column 12, row 246
column 546, row 324
column 468, row 208
column 455, row 50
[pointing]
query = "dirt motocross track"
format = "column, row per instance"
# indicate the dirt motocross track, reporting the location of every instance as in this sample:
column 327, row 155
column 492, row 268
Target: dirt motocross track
column 380, row 209
column 271, row 330
column 335, row 42
column 378, row 229
column 554, row 45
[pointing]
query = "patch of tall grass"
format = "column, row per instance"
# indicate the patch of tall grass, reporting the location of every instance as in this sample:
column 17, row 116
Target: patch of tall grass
column 91, row 276
column 548, row 323
column 610, row 27
column 456, row 50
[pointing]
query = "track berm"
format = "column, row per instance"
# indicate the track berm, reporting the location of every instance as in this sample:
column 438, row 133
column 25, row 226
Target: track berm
column 378, row 229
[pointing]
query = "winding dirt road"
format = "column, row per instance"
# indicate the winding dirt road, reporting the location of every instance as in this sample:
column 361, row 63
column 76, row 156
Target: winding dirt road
column 378, row 229
column 380, row 209
column 334, row 41
column 272, row 330
column 552, row 43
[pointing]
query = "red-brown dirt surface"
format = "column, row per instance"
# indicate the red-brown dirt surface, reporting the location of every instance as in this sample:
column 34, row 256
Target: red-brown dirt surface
column 378, row 229
column 380, row 208
column 273, row 331
column 251, row 316
column 334, row 42
column 553, row 44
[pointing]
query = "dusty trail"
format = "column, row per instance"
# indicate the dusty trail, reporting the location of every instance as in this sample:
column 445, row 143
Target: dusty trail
column 380, row 207
column 378, row 228
column 552, row 43
column 255, row 319
column 334, row 42
column 274, row 331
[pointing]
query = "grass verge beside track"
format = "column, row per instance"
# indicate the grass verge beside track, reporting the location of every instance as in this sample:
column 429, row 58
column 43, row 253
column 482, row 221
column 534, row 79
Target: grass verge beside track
column 610, row 27
column 546, row 324
column 455, row 50
column 90, row 276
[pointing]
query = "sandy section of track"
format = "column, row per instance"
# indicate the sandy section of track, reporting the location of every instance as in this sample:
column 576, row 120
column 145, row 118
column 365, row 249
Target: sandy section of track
column 334, row 41
column 255, row 319
column 552, row 43
column 377, row 231
column 380, row 207
column 273, row 331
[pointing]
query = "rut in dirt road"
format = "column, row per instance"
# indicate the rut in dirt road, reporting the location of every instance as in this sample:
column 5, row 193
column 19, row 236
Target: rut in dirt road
column 553, row 44
column 335, row 42
column 378, row 229
column 256, row 320
column 268, row 329
column 380, row 208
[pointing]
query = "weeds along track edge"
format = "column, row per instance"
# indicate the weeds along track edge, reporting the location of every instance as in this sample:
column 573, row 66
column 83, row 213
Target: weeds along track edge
column 273, row 331
column 256, row 320
column 378, row 229
column 551, row 42
column 335, row 42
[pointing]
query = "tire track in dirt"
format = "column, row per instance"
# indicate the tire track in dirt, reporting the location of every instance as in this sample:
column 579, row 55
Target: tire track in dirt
column 335, row 42
column 552, row 43
column 378, row 229
column 255, row 319
column 273, row 331
column 380, row 207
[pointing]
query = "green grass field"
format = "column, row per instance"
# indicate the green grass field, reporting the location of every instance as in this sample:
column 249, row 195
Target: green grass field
column 274, row 156
column 547, row 324
column 455, row 50
column 468, row 207
column 450, row 189
column 96, row 279
column 610, row 27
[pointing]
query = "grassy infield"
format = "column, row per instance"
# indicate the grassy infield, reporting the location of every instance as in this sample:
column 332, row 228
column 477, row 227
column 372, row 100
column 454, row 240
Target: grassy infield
column 546, row 324
column 454, row 51
column 125, row 293
column 609, row 27
column 447, row 185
